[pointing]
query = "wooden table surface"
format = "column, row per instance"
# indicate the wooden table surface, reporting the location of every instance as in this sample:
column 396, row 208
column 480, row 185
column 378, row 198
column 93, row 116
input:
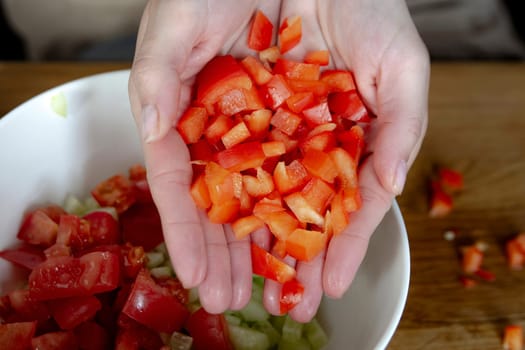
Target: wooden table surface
column 477, row 125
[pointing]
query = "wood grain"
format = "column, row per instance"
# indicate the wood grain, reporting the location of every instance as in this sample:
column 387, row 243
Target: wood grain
column 476, row 125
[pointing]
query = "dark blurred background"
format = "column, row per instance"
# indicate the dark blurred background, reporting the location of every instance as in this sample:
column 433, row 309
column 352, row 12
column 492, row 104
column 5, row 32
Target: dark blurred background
column 105, row 29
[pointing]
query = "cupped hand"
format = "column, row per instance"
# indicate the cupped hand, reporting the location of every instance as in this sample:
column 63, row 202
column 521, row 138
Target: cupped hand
column 377, row 40
column 175, row 40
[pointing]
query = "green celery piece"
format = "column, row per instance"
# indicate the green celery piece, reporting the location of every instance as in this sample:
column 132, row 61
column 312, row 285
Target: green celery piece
column 244, row 338
column 298, row 344
column 254, row 311
column 179, row 341
column 154, row 259
column 74, row 206
column 266, row 327
column 315, row 334
column 292, row 330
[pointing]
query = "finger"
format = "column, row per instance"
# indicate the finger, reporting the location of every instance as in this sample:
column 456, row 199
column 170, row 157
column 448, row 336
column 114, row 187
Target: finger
column 157, row 86
column 241, row 269
column 215, row 291
column 347, row 250
column 262, row 237
column 309, row 273
column 272, row 292
column 169, row 176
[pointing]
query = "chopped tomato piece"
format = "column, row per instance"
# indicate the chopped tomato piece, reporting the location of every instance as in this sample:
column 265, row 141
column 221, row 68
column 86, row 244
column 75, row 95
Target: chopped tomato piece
column 219, row 76
column 260, row 34
column 208, row 331
column 117, row 191
column 290, row 33
column 25, row 256
column 141, row 226
column 320, row 57
column 468, row 282
column 133, row 260
column 276, row 91
column 244, row 226
column 104, row 228
column 38, row 229
column 134, row 335
column 297, row 70
column 440, row 203
column 450, row 179
column 71, row 312
column 515, row 256
column 92, row 336
column 192, row 123
column 513, row 337
column 485, row 275
column 286, row 121
column 291, row 295
column 17, row 336
column 256, row 69
column 23, row 308
column 304, row 245
column 153, row 306
column 242, row 156
column 266, row 265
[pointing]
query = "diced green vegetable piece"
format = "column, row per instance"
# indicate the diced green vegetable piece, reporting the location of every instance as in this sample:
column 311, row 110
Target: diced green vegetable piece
column 59, row 104
column 73, row 205
column 266, row 327
column 257, row 293
column 254, row 311
column 258, row 280
column 315, row 334
column 292, row 330
column 232, row 318
column 91, row 203
column 244, row 338
column 154, row 259
column 161, row 248
column 193, row 295
column 277, row 322
column 161, row 272
column 180, row 341
column 298, row 344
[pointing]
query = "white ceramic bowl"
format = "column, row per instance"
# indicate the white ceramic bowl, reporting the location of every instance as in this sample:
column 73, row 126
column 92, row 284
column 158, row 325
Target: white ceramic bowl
column 44, row 156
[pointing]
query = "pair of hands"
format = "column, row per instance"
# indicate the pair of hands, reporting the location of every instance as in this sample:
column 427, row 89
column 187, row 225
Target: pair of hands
column 376, row 39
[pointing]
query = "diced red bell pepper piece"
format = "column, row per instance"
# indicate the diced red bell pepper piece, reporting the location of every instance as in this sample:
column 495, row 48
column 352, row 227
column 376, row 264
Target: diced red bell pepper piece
column 117, row 191
column 485, row 275
column 219, row 76
column 290, row 177
column 260, row 34
column 300, row 101
column 199, row 193
column 290, row 143
column 280, row 223
column 239, row 100
column 472, row 259
column 468, row 282
column 224, row 212
column 324, row 141
column 338, row 80
column 237, row 134
column 38, row 229
column 256, row 69
column 318, row 87
column 290, row 33
column 153, row 306
column 217, row 127
column 266, row 265
column 352, row 141
column 258, row 122
column 273, row 148
column 515, row 256
column 320, row 164
column 25, row 256
column 270, row 55
column 304, row 245
column 219, row 182
column 242, row 156
column 318, row 194
column 71, row 312
column 192, row 124
column 244, row 226
column 276, row 91
column 291, row 295
column 297, row 70
column 348, row 105
column 266, row 206
column 346, row 167
column 338, row 214
column 441, row 202
column 320, row 57
column 513, row 337
column 302, row 210
column 17, row 336
column 451, row 180
column 286, row 121
column 318, row 114
column 258, row 186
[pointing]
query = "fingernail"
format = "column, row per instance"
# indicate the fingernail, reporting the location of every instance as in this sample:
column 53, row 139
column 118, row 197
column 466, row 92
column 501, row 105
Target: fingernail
column 399, row 177
column 150, row 123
